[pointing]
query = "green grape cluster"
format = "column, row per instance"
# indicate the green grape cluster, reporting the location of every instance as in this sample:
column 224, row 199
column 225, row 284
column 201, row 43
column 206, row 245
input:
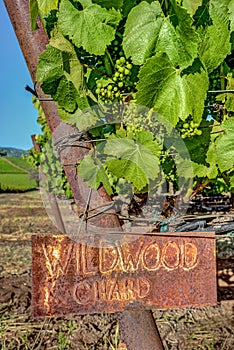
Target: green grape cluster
column 56, row 181
column 43, row 138
column 190, row 129
column 112, row 90
column 55, row 178
column 136, row 119
column 133, row 120
column 116, row 47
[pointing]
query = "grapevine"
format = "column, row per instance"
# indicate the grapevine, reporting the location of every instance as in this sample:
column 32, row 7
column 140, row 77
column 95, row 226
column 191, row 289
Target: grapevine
column 56, row 181
column 162, row 55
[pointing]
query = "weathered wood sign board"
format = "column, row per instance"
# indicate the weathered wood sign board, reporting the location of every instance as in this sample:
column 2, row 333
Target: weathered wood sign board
column 150, row 271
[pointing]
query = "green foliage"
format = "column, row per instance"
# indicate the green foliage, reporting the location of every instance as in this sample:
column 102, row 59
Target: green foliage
column 93, row 28
column 164, row 55
column 5, row 167
column 92, row 171
column 154, row 32
column 159, row 79
column 212, row 51
column 192, row 6
column 55, row 179
column 16, row 183
column 134, row 160
column 224, row 146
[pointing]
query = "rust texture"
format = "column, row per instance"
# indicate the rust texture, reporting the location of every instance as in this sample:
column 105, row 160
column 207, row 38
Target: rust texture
column 32, row 44
column 151, row 271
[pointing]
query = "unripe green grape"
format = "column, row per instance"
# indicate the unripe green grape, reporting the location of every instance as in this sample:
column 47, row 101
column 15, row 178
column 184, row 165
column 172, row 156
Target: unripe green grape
column 116, row 74
column 198, row 132
column 115, row 42
column 122, row 60
column 121, row 76
column 98, row 91
column 126, row 71
column 115, row 88
column 186, row 125
column 121, row 69
column 99, row 85
column 120, row 84
column 109, row 87
column 118, row 62
column 114, row 79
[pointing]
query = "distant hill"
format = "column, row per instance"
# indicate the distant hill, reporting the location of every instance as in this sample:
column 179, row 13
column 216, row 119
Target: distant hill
column 12, row 152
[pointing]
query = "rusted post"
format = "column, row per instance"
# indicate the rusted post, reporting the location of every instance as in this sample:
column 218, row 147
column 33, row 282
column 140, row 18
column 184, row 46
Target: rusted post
column 139, row 330
column 32, row 44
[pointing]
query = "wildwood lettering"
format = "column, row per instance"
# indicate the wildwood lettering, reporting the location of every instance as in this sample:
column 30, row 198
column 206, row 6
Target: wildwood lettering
column 99, row 278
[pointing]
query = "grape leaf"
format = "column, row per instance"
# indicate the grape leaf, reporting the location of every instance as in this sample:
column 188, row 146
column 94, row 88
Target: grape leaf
column 134, row 152
column 184, row 167
column 147, row 30
column 82, row 119
column 93, row 28
column 92, row 171
column 162, row 87
column 66, row 95
column 211, row 159
column 117, row 4
column 227, row 98
column 194, row 146
column 209, row 168
column 192, row 6
column 50, row 65
column 124, row 168
column 215, row 39
column 45, row 6
column 71, row 63
column 202, row 16
column 146, row 139
column 61, row 73
column 224, row 146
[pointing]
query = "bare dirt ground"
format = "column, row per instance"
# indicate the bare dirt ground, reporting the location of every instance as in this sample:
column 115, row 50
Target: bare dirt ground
column 22, row 215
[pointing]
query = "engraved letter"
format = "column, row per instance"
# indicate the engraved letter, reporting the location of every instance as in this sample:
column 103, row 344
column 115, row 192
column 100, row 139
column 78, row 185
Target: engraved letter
column 144, row 287
column 84, row 293
column 171, row 255
column 130, row 256
column 151, row 257
column 89, row 258
column 108, row 259
column 190, row 256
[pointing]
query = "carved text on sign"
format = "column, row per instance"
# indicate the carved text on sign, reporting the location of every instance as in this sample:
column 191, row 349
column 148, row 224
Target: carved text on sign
column 108, row 275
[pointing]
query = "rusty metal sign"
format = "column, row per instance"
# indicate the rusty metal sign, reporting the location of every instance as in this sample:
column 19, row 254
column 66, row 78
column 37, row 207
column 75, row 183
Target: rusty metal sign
column 152, row 271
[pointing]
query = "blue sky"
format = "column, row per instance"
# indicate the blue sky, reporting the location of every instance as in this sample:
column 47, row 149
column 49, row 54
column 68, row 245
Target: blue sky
column 17, row 114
